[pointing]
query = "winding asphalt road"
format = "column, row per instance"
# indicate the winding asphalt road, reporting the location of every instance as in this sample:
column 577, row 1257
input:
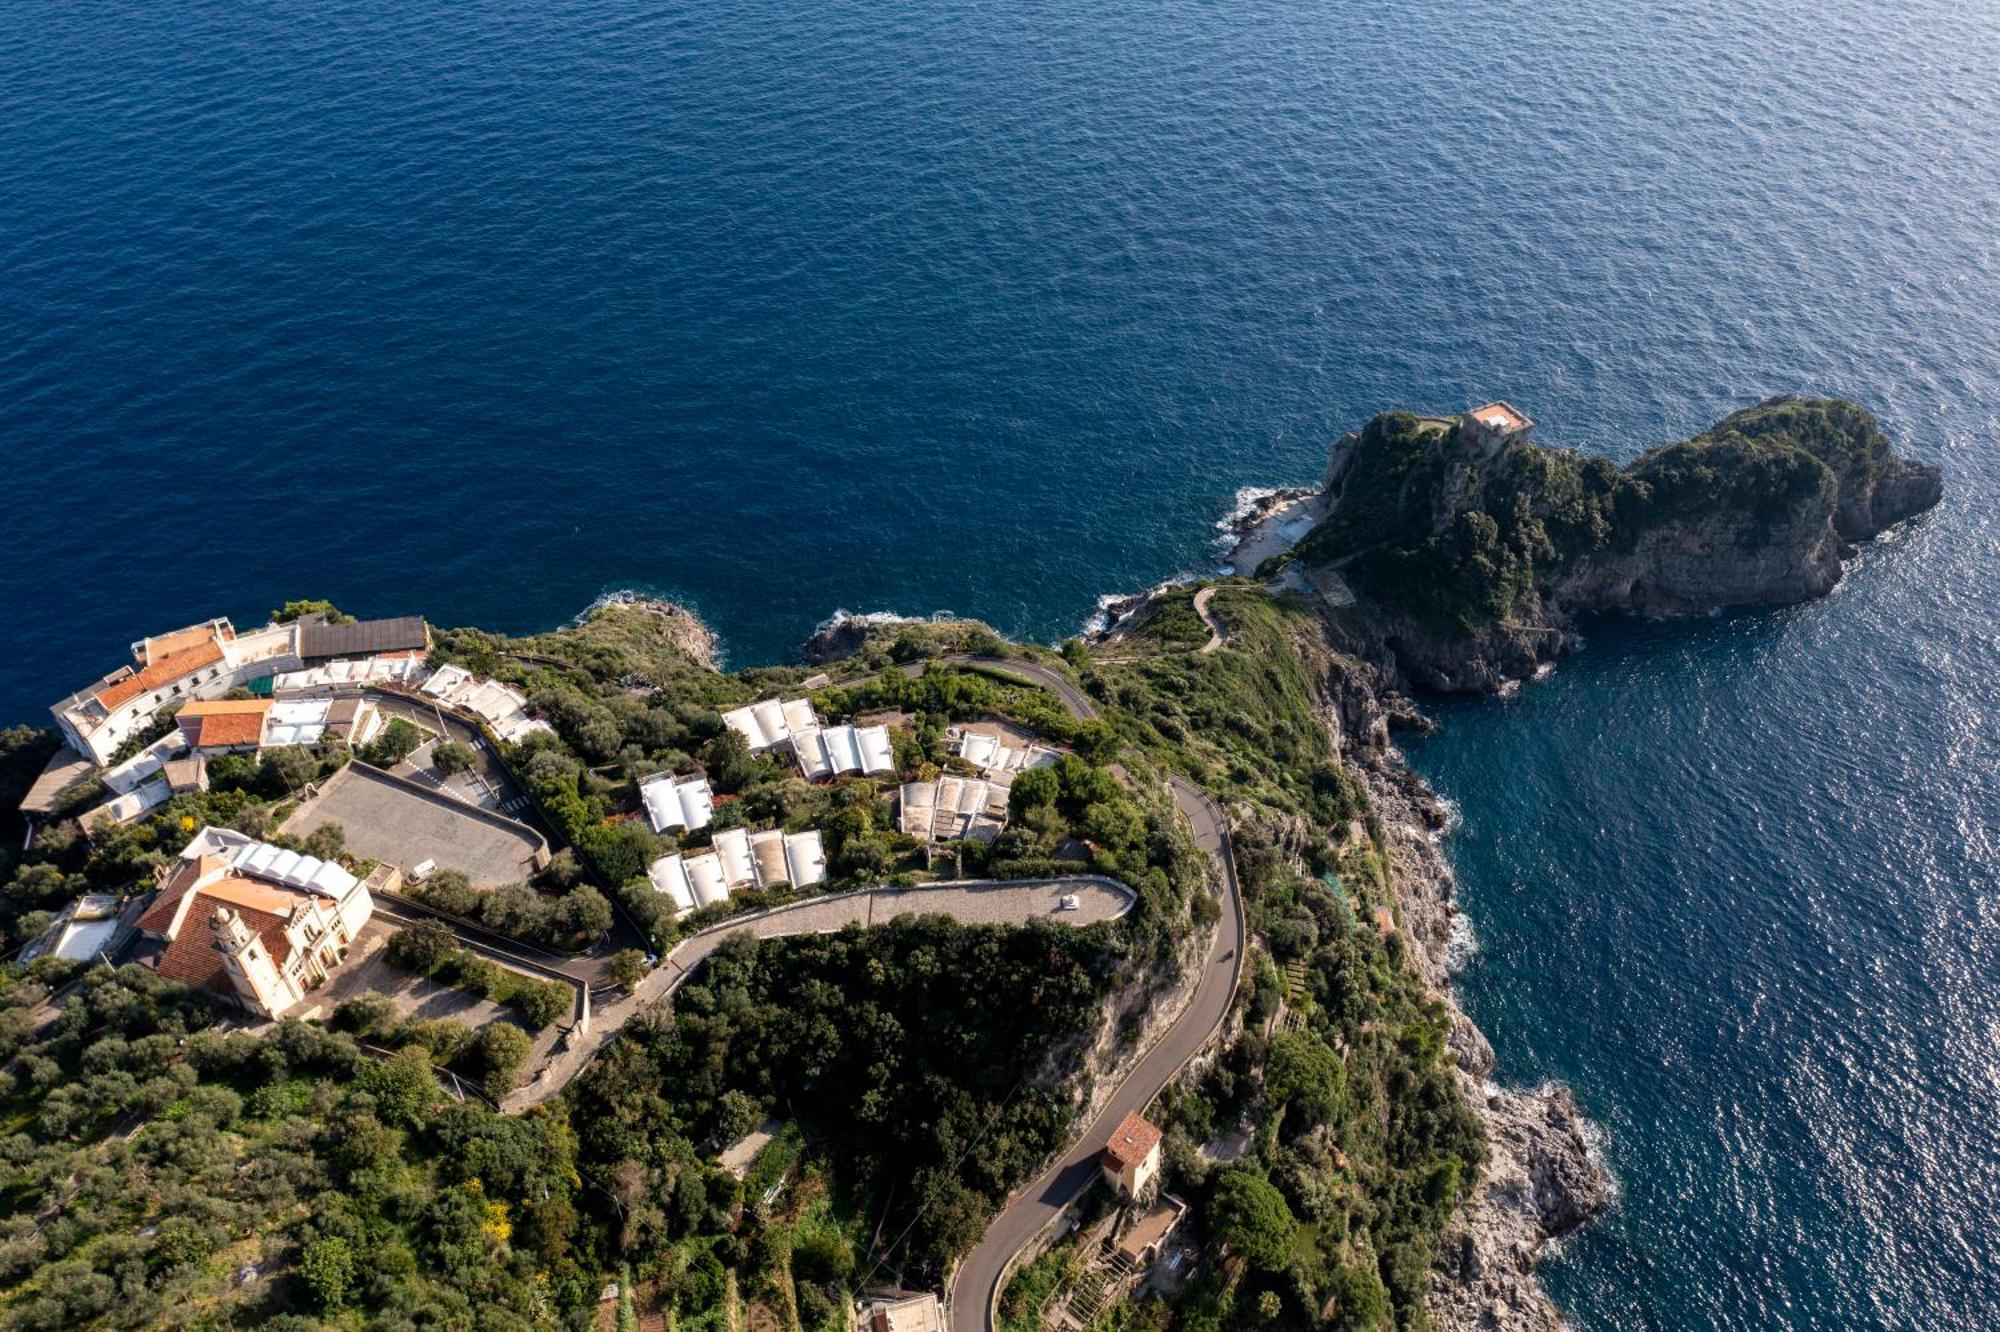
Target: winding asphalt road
column 1091, row 898
column 1025, row 672
column 973, row 1302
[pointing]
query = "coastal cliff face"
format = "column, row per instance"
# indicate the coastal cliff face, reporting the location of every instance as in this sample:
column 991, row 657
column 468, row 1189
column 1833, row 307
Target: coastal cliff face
column 1470, row 563
column 1542, row 1180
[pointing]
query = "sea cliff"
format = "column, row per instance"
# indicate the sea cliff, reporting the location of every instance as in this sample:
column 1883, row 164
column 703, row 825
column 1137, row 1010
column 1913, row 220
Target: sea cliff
column 1457, row 558
column 1460, row 559
column 1542, row 1179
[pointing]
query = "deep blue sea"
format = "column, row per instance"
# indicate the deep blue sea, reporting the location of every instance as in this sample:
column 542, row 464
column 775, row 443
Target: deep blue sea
column 484, row 310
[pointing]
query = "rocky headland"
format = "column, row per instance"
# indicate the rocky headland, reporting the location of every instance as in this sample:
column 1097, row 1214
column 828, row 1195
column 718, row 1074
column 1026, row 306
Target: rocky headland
column 1459, row 557
column 1456, row 557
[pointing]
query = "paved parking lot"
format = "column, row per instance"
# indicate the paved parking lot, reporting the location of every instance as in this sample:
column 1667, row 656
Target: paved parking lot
column 404, row 824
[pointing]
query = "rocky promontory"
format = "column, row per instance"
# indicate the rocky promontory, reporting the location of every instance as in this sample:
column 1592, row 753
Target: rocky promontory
column 1469, row 551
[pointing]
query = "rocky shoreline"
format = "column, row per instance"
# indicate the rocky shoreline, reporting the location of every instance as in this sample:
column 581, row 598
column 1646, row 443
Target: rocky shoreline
column 1543, row 1179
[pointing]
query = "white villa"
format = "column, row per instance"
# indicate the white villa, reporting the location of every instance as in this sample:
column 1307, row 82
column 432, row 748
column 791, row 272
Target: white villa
column 952, row 808
column 994, row 756
column 834, row 751
column 501, row 706
column 820, row 750
column 740, row 859
column 769, row 724
column 677, row 803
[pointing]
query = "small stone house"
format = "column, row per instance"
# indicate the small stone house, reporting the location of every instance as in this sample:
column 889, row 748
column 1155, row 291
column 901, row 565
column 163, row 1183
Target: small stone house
column 1487, row 430
column 1131, row 1159
column 899, row 1311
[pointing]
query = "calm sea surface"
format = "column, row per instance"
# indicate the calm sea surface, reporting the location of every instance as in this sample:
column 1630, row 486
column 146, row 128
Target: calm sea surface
column 485, row 310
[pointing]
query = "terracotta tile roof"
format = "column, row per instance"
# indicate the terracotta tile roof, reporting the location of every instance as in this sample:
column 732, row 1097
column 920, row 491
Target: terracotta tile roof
column 225, row 707
column 1132, row 1140
column 1501, row 416
column 253, row 896
column 191, row 958
column 163, row 671
column 183, row 876
column 180, row 640
column 217, row 723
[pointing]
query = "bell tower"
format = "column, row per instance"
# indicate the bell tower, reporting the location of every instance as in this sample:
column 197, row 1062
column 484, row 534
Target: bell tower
column 249, row 965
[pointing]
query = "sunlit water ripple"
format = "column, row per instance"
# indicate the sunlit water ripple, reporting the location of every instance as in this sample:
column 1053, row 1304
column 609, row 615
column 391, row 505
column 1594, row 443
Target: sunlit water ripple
column 486, row 309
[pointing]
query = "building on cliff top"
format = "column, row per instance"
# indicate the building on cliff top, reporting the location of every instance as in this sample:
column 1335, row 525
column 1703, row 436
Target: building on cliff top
column 201, row 661
column 1486, row 430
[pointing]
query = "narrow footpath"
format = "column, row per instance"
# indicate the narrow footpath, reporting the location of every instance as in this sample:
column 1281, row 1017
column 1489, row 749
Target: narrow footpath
column 1209, row 618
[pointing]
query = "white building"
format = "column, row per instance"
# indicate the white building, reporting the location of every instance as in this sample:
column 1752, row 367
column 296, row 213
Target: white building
column 951, row 809
column 229, row 725
column 707, row 879
column 820, row 750
column 733, row 846
column 80, row 932
column 770, row 723
column 144, row 766
column 899, row 1311
column 669, row 875
column 993, row 755
column 739, row 860
column 314, row 721
column 400, row 668
column 677, row 803
column 501, row 706
column 805, row 858
column 204, row 660
column 835, row 751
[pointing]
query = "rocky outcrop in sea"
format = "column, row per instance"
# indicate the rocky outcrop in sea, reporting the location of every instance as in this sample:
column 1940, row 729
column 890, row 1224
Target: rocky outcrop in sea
column 1471, row 559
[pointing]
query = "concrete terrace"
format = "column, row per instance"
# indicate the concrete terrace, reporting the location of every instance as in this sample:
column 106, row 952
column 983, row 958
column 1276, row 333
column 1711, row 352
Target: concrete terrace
column 402, row 823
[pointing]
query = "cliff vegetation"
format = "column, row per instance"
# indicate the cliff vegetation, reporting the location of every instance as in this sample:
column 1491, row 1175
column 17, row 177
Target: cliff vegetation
column 1469, row 561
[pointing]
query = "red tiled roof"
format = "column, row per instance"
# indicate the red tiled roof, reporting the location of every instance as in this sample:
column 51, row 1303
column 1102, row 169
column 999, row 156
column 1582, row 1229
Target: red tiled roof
column 1132, row 1140
column 224, row 707
column 1500, row 415
column 183, row 876
column 174, row 666
column 191, row 958
column 219, row 723
column 180, row 640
